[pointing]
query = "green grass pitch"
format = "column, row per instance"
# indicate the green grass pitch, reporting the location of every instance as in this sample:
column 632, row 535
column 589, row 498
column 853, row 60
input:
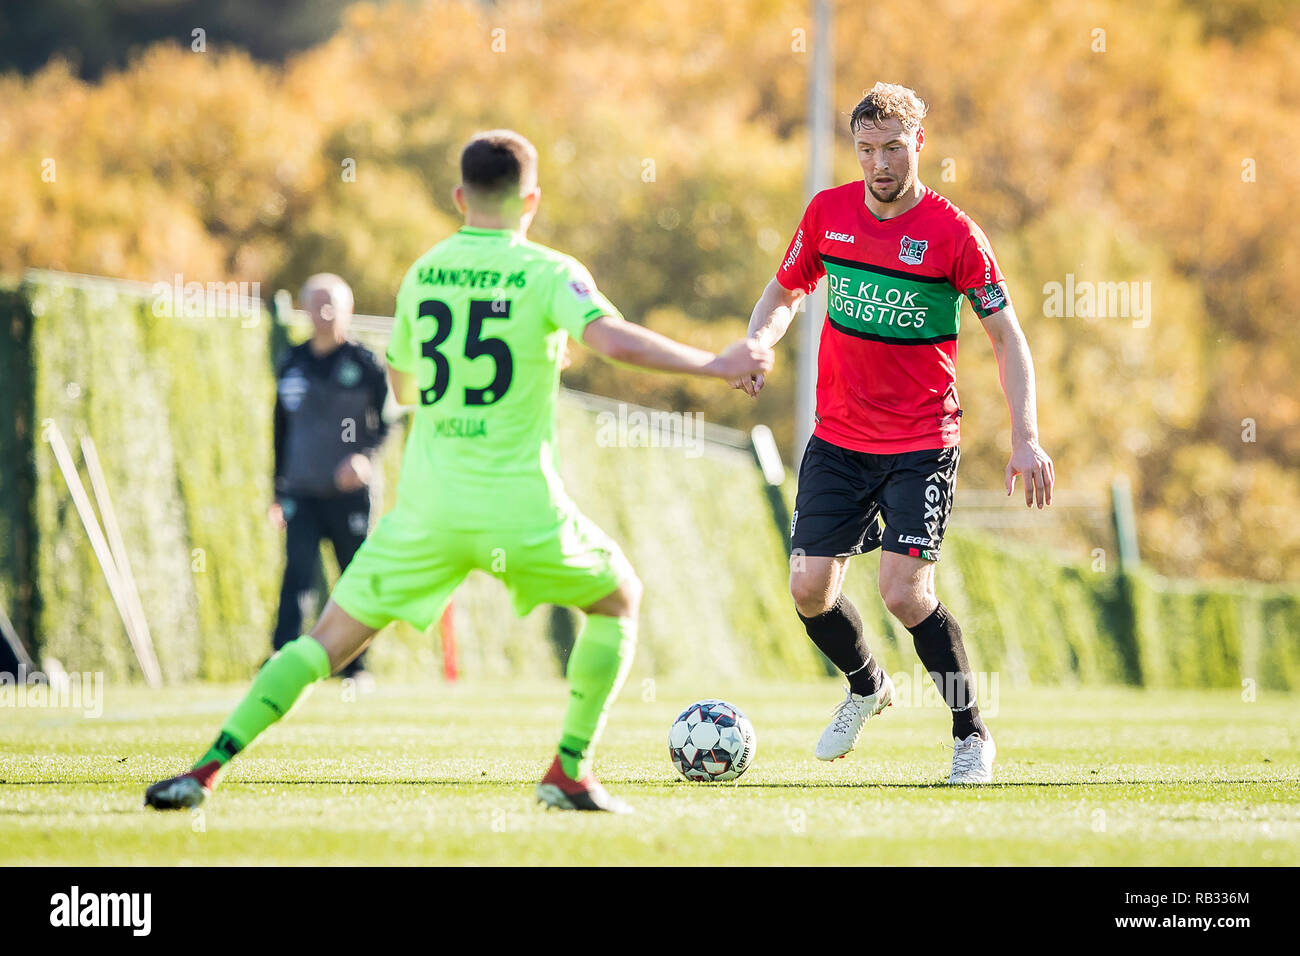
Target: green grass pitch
column 444, row 774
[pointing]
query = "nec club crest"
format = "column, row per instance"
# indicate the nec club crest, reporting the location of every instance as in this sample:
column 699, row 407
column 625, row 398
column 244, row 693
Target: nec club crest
column 992, row 297
column 912, row 251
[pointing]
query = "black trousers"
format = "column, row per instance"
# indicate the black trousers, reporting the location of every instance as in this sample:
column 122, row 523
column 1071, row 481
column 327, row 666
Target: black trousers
column 344, row 520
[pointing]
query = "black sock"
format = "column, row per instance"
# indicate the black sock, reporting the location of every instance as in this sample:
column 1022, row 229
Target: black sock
column 938, row 644
column 838, row 634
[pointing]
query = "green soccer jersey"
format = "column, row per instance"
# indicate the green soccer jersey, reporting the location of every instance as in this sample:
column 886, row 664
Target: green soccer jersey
column 481, row 321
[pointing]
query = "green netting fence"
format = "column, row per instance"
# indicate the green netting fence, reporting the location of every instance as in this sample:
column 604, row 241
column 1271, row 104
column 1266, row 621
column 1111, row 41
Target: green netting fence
column 180, row 410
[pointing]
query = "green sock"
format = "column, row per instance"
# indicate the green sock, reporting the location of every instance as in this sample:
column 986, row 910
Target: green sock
column 598, row 665
column 276, row 688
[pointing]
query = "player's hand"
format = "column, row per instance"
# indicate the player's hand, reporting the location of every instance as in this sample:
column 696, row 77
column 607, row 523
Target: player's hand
column 742, row 360
column 352, row 473
column 1034, row 465
column 275, row 515
column 751, row 385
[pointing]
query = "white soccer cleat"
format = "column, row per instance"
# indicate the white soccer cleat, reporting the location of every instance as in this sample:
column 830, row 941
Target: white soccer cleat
column 972, row 760
column 850, row 716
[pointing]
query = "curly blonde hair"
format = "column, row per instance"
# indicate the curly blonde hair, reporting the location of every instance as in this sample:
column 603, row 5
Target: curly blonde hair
column 889, row 101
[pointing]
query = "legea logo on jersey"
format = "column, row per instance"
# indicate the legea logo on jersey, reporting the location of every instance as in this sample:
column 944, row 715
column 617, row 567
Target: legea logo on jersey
column 839, row 236
column 912, row 251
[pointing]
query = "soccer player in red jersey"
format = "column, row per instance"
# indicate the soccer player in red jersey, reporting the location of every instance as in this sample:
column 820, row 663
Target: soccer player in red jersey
column 898, row 258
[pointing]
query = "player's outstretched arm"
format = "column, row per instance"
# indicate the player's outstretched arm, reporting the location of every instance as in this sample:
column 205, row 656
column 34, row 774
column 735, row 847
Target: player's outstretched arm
column 625, row 342
column 769, row 321
column 1016, row 370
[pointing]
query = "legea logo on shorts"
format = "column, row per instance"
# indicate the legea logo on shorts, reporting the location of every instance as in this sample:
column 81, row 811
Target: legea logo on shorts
column 912, row 539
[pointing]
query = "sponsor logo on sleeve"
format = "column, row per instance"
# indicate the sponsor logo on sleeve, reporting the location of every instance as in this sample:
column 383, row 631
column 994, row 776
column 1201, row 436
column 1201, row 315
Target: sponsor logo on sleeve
column 991, row 297
column 912, row 251
column 794, row 250
column 580, row 289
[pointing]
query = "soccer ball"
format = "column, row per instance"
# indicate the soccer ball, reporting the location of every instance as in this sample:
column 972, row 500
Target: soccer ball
column 711, row 740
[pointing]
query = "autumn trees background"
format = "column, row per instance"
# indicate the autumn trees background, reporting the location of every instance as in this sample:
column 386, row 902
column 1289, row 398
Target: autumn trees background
column 1095, row 142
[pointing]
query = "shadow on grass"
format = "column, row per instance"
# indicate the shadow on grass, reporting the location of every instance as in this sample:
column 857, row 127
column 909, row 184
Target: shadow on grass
column 683, row 784
column 1012, row 784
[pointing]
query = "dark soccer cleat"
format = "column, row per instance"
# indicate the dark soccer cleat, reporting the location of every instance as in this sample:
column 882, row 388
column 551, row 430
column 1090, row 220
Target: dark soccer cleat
column 564, row 793
column 185, row 791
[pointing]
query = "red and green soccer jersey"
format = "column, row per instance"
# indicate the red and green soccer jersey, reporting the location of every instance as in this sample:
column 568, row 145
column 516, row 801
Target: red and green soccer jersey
column 887, row 363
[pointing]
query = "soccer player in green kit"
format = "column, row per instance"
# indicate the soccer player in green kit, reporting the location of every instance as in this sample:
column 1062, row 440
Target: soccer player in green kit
column 481, row 324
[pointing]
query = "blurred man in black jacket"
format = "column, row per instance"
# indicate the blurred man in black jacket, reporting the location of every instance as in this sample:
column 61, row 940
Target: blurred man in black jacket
column 328, row 424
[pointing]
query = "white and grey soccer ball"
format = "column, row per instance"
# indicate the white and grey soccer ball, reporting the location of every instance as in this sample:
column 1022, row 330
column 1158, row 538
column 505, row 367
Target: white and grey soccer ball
column 711, row 741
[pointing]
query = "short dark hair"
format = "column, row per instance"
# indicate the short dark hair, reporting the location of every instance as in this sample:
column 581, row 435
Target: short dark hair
column 888, row 101
column 498, row 162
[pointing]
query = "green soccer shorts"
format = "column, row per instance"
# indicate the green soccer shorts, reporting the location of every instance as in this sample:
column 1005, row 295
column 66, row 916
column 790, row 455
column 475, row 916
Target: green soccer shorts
column 407, row 570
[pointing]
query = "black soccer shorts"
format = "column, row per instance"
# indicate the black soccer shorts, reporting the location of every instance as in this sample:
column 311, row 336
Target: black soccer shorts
column 843, row 495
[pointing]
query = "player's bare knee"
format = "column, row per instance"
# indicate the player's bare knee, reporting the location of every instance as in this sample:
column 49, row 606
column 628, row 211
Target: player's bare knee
column 813, row 608
column 623, row 601
column 907, row 601
column 900, row 598
column 812, row 596
column 631, row 590
column 342, row 636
